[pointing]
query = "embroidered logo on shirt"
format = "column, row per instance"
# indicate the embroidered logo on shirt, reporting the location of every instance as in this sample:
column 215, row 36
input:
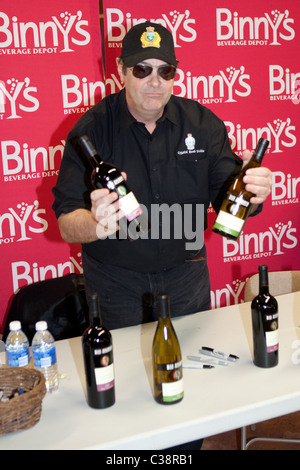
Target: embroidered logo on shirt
column 190, row 142
column 191, row 153
column 150, row 38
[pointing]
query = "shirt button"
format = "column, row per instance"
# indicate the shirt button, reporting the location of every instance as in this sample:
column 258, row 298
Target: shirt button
column 154, row 169
column 157, row 196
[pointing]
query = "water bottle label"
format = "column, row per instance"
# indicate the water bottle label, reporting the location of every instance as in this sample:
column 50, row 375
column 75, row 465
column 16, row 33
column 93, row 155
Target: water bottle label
column 18, row 359
column 44, row 358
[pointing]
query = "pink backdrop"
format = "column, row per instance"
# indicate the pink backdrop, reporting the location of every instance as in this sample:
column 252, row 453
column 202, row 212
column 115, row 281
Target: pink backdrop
column 240, row 60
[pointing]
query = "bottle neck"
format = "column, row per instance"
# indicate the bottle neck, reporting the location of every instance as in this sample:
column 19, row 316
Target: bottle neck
column 95, row 160
column 260, row 150
column 95, row 320
column 163, row 305
column 263, row 280
column 94, row 310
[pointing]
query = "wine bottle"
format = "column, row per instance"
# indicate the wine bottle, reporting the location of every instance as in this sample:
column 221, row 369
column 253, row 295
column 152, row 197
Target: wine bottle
column 104, row 175
column 236, row 205
column 166, row 357
column 98, row 359
column 264, row 310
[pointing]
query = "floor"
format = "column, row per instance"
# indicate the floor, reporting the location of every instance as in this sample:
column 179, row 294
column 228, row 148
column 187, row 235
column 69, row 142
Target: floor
column 287, row 427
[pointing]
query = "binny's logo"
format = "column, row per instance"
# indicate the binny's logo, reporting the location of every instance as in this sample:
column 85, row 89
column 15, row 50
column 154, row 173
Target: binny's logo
column 284, row 84
column 223, row 87
column 17, row 224
column 58, row 34
column 280, row 133
column 274, row 241
column 78, row 94
column 285, row 189
column 24, row 273
column 21, row 162
column 269, row 29
column 228, row 295
column 17, row 97
column 181, row 25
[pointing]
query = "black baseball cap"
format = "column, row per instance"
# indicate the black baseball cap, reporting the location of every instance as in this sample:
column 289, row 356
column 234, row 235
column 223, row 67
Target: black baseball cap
column 148, row 41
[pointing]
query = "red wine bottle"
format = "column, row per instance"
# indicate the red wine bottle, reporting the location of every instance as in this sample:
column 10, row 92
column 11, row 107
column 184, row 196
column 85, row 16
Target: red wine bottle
column 105, row 175
column 236, row 205
column 166, row 357
column 98, row 359
column 264, row 309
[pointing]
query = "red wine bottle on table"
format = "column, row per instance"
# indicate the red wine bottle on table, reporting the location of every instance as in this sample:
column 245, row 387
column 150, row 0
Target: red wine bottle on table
column 166, row 357
column 98, row 359
column 236, row 205
column 264, row 310
column 105, row 175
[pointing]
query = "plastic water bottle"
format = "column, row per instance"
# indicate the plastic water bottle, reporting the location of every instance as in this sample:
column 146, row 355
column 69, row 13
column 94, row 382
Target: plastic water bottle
column 44, row 355
column 17, row 346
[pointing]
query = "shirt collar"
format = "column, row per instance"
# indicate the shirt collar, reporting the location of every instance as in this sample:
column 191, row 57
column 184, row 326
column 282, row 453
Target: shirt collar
column 170, row 112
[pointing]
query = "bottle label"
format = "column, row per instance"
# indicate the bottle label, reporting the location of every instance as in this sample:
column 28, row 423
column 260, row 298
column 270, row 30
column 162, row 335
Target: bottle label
column 172, row 366
column 272, row 340
column 129, row 205
column 43, row 359
column 99, row 352
column 229, row 223
column 238, row 200
column 104, row 378
column 172, row 391
column 18, row 359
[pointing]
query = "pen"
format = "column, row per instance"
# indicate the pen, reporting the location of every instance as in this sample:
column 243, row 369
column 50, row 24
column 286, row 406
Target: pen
column 197, row 366
column 211, row 361
column 219, row 354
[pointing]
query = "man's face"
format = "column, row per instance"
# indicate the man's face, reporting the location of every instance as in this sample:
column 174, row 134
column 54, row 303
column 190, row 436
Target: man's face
column 146, row 97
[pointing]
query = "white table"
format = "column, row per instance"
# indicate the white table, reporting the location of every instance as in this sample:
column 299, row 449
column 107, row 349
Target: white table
column 215, row 401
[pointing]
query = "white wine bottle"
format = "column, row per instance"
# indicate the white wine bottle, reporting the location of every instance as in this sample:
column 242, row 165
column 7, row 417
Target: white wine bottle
column 236, row 205
column 166, row 357
column 105, row 175
column 264, row 312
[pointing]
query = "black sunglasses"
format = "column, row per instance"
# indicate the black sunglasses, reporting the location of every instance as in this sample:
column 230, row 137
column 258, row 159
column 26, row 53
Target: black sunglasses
column 167, row 72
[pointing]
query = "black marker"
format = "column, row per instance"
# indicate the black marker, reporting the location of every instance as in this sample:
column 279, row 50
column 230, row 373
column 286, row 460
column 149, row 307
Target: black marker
column 219, row 354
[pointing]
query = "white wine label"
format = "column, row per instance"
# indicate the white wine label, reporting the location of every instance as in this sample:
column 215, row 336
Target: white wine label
column 272, row 340
column 172, row 391
column 169, row 366
column 238, row 200
column 104, row 378
column 130, row 206
column 229, row 223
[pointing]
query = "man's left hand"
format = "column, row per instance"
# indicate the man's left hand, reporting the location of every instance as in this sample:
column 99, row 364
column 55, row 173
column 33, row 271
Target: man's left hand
column 258, row 180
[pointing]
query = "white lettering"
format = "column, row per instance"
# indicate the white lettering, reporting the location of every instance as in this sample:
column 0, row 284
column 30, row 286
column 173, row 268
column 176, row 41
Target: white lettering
column 275, row 132
column 236, row 28
column 76, row 93
column 22, row 271
column 45, row 35
column 16, row 159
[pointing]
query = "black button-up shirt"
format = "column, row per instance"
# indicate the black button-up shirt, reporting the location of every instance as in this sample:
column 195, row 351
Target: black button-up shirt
column 187, row 161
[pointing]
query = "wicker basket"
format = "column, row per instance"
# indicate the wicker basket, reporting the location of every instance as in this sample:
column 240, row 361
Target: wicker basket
column 22, row 411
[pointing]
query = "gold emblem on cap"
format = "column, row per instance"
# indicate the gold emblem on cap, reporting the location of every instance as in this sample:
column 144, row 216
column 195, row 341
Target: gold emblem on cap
column 150, row 38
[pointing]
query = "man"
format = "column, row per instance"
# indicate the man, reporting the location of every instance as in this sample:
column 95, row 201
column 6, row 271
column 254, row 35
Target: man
column 142, row 130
